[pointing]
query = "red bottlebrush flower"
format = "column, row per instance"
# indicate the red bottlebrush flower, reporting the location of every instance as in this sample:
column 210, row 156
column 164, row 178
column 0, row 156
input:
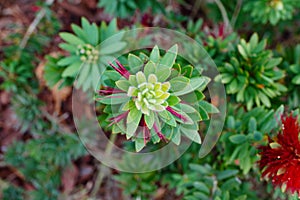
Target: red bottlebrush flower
column 280, row 159
column 121, row 70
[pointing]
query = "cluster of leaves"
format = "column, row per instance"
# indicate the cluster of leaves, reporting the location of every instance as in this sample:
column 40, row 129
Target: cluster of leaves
column 244, row 132
column 85, row 54
column 153, row 99
column 41, row 162
column 217, row 41
column 271, row 10
column 292, row 65
column 123, row 9
column 252, row 75
column 41, row 159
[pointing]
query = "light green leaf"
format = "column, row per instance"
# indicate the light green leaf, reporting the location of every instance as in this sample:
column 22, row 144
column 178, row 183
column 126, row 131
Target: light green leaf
column 114, row 99
column 140, row 78
column 134, row 62
column 71, row 70
column 163, row 74
column 210, row 108
column 150, row 68
column 68, row 60
column 191, row 134
column 179, row 83
column 169, row 58
column 149, row 119
column 72, row 39
column 139, row 144
column 123, row 85
column 154, row 55
column 195, row 83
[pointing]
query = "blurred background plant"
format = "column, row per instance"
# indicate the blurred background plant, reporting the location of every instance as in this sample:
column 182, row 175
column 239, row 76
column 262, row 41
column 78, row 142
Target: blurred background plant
column 255, row 45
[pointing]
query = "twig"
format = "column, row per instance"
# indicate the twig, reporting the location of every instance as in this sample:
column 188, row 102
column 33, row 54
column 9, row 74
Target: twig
column 222, row 9
column 236, row 12
column 196, row 7
column 102, row 169
column 34, row 24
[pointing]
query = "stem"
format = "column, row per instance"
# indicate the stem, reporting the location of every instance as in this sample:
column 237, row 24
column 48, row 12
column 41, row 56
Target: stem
column 34, row 24
column 102, row 169
column 236, row 12
column 196, row 7
column 222, row 9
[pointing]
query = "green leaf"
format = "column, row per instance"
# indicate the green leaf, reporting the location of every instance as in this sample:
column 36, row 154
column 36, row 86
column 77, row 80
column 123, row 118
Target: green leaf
column 226, row 174
column 179, row 83
column 176, row 137
column 238, row 139
column 68, row 60
column 93, row 35
column 72, row 39
column 139, row 144
column 257, row 135
column 134, row 62
column 114, row 99
column 79, row 32
column 191, row 134
column 154, row 55
column 123, row 85
column 195, row 83
column 296, row 80
column 107, row 48
column 133, row 115
column 162, row 74
column 149, row 119
column 167, row 118
column 173, row 100
column 71, row 70
column 187, row 71
column 150, row 68
column 242, row 52
column 140, row 78
column 210, row 108
column 252, row 125
column 169, row 58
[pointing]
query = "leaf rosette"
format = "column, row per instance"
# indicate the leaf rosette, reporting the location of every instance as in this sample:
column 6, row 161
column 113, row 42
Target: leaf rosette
column 154, row 98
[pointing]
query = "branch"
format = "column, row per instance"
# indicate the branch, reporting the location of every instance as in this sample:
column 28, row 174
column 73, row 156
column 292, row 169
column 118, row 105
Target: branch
column 34, row 24
column 222, row 9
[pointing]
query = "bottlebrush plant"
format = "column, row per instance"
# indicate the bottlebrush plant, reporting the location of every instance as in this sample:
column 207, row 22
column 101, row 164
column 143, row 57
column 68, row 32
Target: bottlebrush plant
column 83, row 47
column 280, row 157
column 252, row 75
column 154, row 98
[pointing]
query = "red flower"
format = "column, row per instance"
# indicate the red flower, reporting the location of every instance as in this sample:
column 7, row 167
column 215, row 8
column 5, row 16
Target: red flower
column 280, row 159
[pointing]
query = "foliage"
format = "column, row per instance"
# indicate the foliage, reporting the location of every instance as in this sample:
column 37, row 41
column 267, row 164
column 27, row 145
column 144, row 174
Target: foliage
column 244, row 132
column 271, row 10
column 150, row 102
column 292, row 66
column 252, row 75
column 42, row 160
column 151, row 96
column 123, row 9
column 85, row 55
